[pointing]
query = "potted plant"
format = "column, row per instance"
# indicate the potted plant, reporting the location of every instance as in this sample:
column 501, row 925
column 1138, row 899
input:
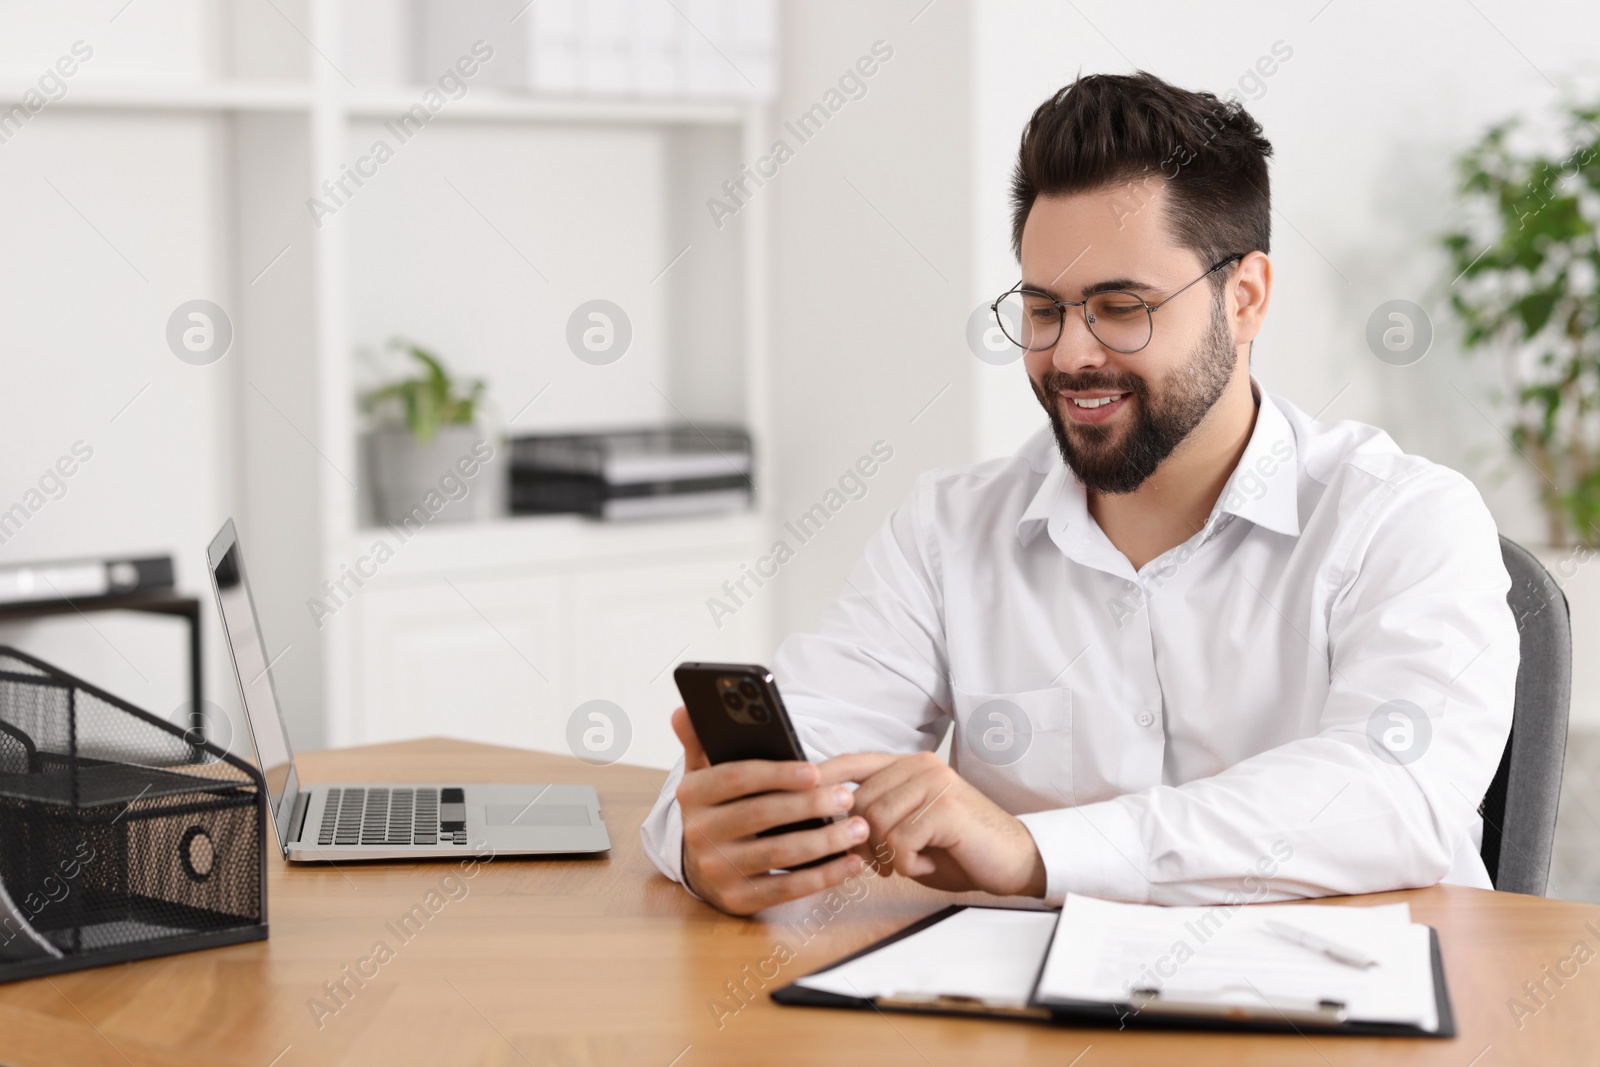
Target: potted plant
column 1525, row 273
column 425, row 426
column 1526, row 281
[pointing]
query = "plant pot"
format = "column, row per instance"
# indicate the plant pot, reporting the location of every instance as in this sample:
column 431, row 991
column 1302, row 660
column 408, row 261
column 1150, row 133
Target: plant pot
column 1577, row 572
column 417, row 484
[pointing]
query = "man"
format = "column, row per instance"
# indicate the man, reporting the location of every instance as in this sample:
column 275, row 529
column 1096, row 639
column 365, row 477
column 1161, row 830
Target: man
column 1186, row 638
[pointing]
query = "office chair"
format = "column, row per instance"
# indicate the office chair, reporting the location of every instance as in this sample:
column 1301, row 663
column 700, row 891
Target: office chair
column 1519, row 810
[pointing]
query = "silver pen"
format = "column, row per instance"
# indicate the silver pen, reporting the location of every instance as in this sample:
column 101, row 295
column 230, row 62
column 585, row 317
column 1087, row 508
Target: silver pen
column 1333, row 950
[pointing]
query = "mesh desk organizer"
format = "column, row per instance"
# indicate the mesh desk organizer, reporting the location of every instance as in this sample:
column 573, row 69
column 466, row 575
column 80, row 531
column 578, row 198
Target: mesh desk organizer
column 121, row 837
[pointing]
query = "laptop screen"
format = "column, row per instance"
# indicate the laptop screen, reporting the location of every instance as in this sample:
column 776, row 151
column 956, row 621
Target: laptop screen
column 250, row 663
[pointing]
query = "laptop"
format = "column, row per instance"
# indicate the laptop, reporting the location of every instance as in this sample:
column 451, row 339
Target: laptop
column 393, row 821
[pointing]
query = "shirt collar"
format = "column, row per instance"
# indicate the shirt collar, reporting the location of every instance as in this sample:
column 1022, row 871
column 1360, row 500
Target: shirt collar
column 1263, row 488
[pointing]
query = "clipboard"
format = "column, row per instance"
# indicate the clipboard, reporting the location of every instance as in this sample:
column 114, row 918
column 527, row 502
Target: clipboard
column 1146, row 1012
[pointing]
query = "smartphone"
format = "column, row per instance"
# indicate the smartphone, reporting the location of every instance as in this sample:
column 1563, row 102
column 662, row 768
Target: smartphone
column 738, row 715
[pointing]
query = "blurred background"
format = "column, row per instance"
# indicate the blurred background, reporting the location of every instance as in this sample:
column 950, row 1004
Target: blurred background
column 515, row 336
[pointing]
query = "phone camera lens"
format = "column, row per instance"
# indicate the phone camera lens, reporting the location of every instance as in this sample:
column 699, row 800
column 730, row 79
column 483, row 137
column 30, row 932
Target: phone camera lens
column 758, row 712
column 748, row 688
column 732, row 699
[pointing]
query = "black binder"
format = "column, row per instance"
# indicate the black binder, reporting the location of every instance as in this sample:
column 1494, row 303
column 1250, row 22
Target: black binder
column 1149, row 1014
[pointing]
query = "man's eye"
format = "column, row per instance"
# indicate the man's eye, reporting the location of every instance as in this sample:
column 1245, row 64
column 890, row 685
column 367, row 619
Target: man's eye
column 1120, row 311
column 1042, row 313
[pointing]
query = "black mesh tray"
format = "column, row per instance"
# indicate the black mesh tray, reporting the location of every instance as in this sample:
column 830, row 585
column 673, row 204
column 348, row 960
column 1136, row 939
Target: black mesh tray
column 121, row 835
column 102, row 783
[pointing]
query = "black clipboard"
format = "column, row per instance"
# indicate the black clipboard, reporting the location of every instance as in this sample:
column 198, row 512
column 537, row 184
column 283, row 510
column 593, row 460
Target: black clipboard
column 1149, row 1015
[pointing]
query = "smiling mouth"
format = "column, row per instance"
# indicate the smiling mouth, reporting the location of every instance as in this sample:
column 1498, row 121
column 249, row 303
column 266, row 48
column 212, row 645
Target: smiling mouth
column 1097, row 402
column 1092, row 410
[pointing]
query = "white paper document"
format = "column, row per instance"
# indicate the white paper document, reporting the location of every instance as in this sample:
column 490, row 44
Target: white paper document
column 992, row 954
column 1099, row 952
column 1102, row 951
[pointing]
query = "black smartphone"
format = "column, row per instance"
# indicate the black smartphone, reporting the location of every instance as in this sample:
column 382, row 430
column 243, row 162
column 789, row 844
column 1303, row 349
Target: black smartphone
column 738, row 715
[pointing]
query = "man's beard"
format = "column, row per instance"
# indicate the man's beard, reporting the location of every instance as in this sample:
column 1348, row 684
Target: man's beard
column 1106, row 465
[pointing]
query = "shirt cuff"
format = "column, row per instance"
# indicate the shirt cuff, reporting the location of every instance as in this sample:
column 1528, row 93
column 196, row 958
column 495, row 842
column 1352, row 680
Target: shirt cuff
column 661, row 833
column 672, row 856
column 1092, row 849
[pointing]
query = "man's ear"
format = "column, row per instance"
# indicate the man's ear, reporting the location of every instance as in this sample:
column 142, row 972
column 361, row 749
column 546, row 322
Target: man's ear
column 1252, row 288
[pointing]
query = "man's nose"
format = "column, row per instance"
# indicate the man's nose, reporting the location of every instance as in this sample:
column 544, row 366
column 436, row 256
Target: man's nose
column 1077, row 349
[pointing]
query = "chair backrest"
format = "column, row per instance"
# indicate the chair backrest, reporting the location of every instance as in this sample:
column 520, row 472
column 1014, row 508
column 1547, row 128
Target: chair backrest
column 1519, row 810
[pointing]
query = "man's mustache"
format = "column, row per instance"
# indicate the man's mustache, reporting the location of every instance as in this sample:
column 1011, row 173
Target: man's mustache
column 1055, row 381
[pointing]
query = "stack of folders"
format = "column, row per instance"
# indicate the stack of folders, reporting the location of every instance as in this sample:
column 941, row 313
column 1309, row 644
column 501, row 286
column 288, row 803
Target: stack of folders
column 632, row 474
column 705, row 48
column 1354, row 970
column 701, row 49
column 82, row 579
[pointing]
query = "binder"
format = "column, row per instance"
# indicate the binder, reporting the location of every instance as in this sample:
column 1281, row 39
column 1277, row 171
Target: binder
column 65, row 581
column 1140, row 1012
column 625, row 457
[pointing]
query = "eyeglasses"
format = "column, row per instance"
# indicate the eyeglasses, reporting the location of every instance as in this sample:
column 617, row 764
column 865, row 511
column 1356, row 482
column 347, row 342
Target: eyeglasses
column 1121, row 321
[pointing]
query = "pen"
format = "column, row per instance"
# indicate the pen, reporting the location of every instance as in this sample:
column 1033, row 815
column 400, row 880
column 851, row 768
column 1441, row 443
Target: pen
column 1332, row 949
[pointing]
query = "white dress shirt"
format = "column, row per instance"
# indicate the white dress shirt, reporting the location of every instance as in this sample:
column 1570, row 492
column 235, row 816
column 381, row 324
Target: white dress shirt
column 1216, row 726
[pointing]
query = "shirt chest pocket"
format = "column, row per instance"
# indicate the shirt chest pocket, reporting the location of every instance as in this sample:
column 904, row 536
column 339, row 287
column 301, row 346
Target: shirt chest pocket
column 1016, row 747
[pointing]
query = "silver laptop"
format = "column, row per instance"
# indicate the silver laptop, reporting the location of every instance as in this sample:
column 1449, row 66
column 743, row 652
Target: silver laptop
column 390, row 821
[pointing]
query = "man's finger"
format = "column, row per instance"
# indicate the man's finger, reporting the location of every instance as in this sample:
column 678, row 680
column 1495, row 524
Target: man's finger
column 911, row 799
column 788, row 851
column 694, row 756
column 749, row 816
column 906, row 820
column 892, row 777
column 769, row 890
column 856, row 767
column 731, row 781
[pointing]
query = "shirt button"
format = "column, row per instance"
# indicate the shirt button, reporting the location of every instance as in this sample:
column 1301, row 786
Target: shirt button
column 1145, row 718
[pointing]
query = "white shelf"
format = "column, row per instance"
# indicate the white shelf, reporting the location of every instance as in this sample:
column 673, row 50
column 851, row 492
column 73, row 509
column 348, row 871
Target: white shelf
column 482, row 105
column 541, row 540
column 259, row 117
column 504, row 107
column 600, row 607
column 175, row 96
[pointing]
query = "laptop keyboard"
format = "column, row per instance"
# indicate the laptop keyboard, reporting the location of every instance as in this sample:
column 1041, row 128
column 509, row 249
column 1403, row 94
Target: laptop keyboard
column 379, row 816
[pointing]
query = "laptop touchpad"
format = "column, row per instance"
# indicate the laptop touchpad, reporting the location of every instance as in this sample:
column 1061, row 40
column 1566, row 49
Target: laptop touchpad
column 536, row 814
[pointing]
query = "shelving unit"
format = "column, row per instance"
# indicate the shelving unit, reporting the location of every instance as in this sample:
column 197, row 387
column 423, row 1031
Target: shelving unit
column 505, row 107
column 495, row 630
column 177, row 96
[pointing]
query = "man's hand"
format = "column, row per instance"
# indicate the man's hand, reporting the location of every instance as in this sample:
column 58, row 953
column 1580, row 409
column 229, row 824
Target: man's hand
column 930, row 824
column 726, row 863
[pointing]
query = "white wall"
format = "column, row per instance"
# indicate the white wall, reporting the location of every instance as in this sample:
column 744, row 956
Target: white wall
column 420, row 254
column 873, row 249
column 170, row 40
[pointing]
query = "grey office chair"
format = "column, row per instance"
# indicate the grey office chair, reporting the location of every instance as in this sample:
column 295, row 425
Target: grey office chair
column 1519, row 810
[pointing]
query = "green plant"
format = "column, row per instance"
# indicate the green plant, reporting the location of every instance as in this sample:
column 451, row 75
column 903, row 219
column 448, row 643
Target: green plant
column 1526, row 280
column 428, row 401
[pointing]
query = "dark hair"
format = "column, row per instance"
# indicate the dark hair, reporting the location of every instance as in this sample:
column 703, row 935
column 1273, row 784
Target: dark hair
column 1106, row 129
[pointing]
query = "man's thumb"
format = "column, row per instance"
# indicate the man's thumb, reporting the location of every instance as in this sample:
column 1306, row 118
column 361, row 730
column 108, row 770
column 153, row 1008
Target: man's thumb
column 694, row 757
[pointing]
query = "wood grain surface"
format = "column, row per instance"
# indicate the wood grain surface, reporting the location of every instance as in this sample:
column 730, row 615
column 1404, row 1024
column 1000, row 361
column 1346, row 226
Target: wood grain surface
column 602, row 961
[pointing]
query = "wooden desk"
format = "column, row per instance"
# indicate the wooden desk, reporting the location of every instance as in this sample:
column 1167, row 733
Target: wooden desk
column 602, row 961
